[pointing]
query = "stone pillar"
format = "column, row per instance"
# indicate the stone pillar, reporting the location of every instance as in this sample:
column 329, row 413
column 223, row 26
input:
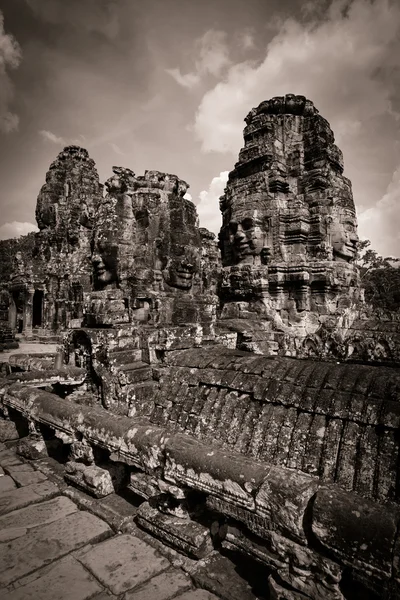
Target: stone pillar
column 28, row 305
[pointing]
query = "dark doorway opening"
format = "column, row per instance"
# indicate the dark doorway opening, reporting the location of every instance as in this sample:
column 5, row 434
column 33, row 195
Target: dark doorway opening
column 37, row 309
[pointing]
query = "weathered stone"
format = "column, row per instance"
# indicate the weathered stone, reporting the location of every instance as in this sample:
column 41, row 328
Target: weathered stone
column 93, row 479
column 8, row 431
column 284, row 497
column 52, row 541
column 357, row 531
column 161, row 587
column 123, row 563
column 6, row 484
column 187, row 536
column 25, row 477
column 65, row 578
column 32, row 448
column 19, row 522
column 31, row 494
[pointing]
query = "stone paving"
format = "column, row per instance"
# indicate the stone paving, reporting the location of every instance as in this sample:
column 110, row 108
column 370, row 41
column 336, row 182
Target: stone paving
column 50, row 547
column 29, row 348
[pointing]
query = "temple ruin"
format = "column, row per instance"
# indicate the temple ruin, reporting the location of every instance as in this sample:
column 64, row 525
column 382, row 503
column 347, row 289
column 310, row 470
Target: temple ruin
column 241, row 387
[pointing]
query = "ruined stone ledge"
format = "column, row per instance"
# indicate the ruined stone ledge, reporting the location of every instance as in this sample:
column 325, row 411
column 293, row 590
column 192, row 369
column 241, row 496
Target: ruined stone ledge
column 293, row 504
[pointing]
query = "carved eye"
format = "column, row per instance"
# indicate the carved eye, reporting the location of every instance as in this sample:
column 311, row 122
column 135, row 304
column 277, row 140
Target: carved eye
column 349, row 226
column 247, row 224
column 233, row 227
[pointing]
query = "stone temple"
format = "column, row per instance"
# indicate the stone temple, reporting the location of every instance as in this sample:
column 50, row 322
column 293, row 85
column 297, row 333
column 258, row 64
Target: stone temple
column 240, row 387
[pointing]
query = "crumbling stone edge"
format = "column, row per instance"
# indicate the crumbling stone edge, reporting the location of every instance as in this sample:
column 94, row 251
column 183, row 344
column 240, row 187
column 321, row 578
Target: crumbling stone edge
column 308, row 533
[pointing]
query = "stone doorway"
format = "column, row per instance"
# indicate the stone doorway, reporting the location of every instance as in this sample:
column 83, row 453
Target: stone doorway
column 37, row 309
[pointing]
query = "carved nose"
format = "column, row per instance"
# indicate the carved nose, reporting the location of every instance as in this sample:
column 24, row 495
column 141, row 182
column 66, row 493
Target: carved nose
column 240, row 235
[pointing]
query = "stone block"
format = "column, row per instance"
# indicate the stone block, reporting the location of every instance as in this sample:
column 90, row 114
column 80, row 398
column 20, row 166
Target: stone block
column 92, row 479
column 123, row 562
column 21, row 497
column 161, row 587
column 359, row 532
column 24, row 478
column 19, row 522
column 283, row 499
column 8, row 431
column 48, row 543
column 185, row 535
column 66, row 579
column 32, row 448
column 6, row 484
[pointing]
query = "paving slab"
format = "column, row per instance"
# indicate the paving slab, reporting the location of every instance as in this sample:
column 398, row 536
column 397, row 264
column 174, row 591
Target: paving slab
column 123, row 562
column 197, row 595
column 6, row 484
column 66, row 579
column 20, row 468
column 24, row 478
column 161, row 587
column 8, row 458
column 19, row 522
column 46, row 544
column 21, row 497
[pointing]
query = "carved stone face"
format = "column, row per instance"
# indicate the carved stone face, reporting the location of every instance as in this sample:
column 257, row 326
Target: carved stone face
column 104, row 262
column 247, row 238
column 343, row 235
column 180, row 268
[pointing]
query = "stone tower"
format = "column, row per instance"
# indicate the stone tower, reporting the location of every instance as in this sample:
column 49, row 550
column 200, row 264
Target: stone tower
column 289, row 231
column 47, row 288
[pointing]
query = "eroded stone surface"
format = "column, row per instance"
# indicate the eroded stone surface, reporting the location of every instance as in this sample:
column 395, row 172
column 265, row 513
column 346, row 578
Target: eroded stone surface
column 66, row 579
column 123, row 562
column 38, row 547
column 19, row 498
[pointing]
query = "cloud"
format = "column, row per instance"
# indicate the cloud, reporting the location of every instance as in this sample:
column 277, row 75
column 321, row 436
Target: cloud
column 49, row 136
column 15, row 229
column 91, row 15
column 337, row 62
column 208, row 207
column 382, row 222
column 117, row 149
column 213, row 58
column 10, row 58
column 52, row 137
column 188, row 196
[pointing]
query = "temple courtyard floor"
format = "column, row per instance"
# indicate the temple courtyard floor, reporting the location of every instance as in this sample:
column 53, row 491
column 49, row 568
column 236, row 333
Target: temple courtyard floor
column 57, row 542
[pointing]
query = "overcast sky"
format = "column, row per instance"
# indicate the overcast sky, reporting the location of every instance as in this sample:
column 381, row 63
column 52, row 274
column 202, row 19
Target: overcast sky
column 165, row 84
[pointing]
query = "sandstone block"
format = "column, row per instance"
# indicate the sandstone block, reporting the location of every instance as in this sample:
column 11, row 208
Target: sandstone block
column 359, row 532
column 19, row 522
column 6, row 484
column 66, row 579
column 48, row 543
column 8, row 431
column 161, row 587
column 30, row 494
column 123, row 562
column 283, row 498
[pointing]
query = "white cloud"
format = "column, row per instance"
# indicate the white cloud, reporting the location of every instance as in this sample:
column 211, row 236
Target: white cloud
column 15, row 229
column 335, row 62
column 117, row 149
column 213, row 59
column 188, row 196
column 52, row 137
column 381, row 223
column 208, row 207
column 10, row 57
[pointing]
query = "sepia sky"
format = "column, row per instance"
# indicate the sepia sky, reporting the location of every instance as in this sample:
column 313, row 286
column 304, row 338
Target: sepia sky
column 166, row 84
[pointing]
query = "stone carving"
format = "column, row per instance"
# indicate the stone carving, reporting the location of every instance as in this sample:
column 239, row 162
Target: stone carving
column 289, row 233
